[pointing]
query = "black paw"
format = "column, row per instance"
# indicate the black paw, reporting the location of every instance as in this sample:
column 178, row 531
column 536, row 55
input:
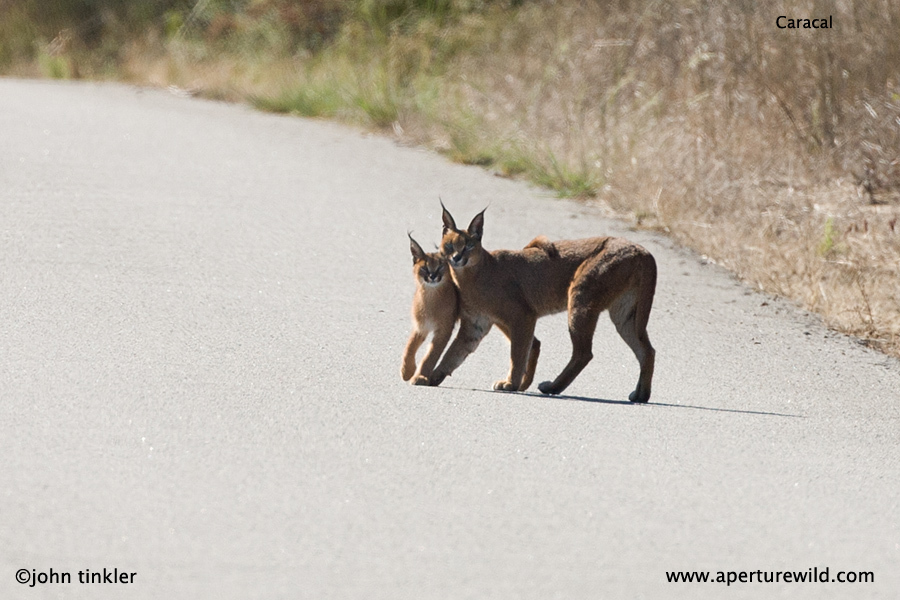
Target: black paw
column 436, row 379
column 639, row 398
column 546, row 387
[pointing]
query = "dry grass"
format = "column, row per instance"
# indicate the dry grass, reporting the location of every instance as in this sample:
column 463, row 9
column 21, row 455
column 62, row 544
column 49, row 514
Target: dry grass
column 774, row 152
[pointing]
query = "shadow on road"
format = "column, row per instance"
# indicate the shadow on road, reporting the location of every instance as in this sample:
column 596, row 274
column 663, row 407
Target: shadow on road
column 730, row 410
column 650, row 404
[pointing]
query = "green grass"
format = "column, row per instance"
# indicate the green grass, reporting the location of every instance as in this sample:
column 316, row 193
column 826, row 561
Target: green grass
column 307, row 100
column 54, row 66
column 466, row 147
column 378, row 100
column 568, row 182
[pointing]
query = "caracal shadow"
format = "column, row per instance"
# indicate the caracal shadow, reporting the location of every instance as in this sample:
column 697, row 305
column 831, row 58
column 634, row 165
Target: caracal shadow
column 650, row 404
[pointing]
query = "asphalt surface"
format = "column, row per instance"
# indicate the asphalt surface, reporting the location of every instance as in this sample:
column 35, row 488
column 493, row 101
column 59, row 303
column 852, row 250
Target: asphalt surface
column 203, row 310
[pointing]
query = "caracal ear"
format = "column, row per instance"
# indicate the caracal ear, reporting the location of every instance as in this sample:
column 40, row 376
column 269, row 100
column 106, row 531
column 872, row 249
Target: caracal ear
column 416, row 250
column 449, row 223
column 476, row 227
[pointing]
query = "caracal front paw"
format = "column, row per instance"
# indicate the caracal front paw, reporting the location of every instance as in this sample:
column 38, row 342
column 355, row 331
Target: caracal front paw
column 436, row 378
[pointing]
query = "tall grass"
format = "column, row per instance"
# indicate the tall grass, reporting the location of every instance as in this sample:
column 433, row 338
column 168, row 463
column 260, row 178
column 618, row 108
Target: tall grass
column 742, row 140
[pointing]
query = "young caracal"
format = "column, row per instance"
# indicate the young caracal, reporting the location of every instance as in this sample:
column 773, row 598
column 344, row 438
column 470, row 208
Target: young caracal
column 435, row 310
column 511, row 289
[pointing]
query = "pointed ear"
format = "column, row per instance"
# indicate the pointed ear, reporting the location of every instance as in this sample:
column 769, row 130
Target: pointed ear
column 476, row 227
column 416, row 250
column 449, row 223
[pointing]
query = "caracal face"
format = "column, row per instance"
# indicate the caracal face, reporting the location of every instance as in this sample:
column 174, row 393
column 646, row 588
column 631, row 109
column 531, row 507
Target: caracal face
column 431, row 270
column 460, row 249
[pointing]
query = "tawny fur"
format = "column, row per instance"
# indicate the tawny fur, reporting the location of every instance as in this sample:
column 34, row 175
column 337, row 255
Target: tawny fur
column 512, row 289
column 435, row 309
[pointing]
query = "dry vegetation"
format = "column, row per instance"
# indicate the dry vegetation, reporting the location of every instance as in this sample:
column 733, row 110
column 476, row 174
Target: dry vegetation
column 774, row 152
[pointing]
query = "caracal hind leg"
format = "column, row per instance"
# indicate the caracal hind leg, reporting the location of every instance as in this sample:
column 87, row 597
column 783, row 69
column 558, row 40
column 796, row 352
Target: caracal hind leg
column 593, row 289
column 521, row 340
column 471, row 331
column 408, row 366
column 438, row 343
column 630, row 313
column 532, row 364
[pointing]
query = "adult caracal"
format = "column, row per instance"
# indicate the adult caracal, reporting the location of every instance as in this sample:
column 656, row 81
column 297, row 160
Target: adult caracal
column 511, row 289
column 435, row 309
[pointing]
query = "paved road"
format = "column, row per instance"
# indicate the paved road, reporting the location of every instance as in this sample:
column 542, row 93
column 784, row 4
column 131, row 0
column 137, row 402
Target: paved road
column 202, row 317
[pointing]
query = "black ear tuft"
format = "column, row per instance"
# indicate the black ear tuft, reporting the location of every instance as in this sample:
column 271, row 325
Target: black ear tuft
column 416, row 250
column 447, row 218
column 476, row 227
